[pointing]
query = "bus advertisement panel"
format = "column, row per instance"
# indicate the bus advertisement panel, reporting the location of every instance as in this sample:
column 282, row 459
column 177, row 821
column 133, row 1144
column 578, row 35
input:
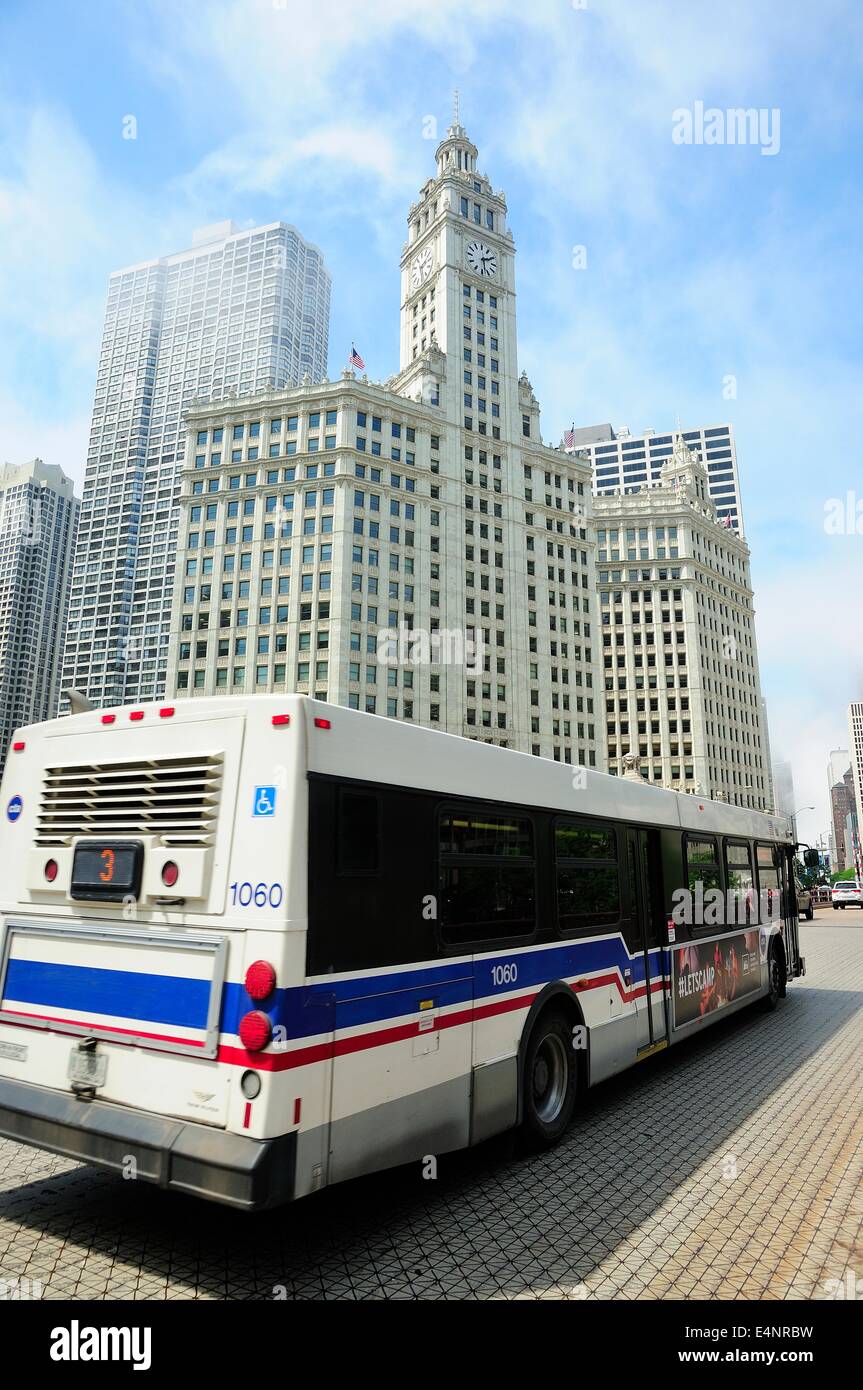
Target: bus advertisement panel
column 710, row 975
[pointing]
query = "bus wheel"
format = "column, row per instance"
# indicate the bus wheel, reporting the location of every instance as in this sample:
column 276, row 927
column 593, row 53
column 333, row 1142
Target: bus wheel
column 775, row 975
column 549, row 1080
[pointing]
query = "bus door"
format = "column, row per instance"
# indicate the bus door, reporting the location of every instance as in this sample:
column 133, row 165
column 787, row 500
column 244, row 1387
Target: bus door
column 789, row 912
column 648, row 921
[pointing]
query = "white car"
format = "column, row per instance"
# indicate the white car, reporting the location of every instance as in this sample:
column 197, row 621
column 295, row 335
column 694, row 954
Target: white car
column 847, row 894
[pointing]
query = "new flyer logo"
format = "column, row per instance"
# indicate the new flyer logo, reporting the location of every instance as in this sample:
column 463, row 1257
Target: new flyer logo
column 710, row 975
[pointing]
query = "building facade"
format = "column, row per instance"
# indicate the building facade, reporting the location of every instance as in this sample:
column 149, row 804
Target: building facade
column 38, row 519
column 239, row 311
column 622, row 462
column 347, row 513
column 680, row 665
column 855, row 738
column 783, row 786
column 838, row 764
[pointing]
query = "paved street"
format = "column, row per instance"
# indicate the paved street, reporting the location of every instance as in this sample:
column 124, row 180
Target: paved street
column 728, row 1167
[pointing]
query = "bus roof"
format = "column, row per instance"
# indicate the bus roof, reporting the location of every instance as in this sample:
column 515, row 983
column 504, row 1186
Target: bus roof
column 373, row 748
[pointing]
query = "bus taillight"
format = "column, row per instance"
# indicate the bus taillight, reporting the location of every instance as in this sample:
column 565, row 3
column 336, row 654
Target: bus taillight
column 170, row 873
column 255, row 1030
column 51, row 870
column 260, row 980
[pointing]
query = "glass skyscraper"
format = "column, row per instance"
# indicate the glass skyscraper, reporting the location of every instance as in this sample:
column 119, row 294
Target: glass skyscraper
column 241, row 311
column 626, row 463
column 38, row 516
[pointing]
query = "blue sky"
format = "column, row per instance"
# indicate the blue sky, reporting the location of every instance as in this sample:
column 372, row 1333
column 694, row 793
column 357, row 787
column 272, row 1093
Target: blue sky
column 703, row 262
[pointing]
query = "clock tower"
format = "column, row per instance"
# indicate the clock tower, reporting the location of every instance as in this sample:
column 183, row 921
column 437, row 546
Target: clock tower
column 458, row 295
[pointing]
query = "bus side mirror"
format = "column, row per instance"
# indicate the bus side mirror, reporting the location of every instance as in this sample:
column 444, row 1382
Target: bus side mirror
column 810, row 859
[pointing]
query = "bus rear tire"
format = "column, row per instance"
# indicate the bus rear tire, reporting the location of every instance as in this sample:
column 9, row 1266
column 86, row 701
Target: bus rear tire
column 549, row 1080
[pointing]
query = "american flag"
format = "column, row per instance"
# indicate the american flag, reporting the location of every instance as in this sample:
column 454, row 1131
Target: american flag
column 569, row 437
column 355, row 360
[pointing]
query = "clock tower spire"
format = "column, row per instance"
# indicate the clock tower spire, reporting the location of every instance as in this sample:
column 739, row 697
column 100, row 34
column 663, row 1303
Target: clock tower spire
column 458, row 292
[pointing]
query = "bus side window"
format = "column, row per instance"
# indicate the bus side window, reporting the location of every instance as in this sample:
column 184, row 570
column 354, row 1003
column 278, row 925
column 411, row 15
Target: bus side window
column 740, row 879
column 488, row 876
column 768, row 877
column 588, row 881
column 358, row 842
column 703, row 875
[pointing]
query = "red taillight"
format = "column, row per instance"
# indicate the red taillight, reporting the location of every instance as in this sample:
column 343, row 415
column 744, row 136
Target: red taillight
column 166, row 711
column 323, row 724
column 18, row 747
column 51, row 870
column 108, row 718
column 170, row 873
column 279, row 719
column 137, row 714
column 260, row 979
column 255, row 1031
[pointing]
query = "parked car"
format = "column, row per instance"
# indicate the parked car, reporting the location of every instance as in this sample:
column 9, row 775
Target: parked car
column 805, row 904
column 847, row 893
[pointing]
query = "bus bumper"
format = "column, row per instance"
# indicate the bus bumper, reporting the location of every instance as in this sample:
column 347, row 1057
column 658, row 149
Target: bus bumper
column 230, row 1168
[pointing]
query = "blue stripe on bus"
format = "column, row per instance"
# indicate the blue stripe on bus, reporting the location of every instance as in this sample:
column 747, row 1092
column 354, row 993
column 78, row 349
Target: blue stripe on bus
column 307, row 1010
column 171, row 999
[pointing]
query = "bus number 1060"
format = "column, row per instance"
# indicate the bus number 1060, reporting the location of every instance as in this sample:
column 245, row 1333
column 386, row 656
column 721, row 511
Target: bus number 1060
column 259, row 894
column 504, row 974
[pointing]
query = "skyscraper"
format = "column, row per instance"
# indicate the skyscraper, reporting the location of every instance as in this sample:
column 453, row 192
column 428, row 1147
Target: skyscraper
column 623, row 462
column 855, row 734
column 783, row 785
column 352, row 509
column 239, row 311
column 682, row 686
column 838, row 770
column 38, row 517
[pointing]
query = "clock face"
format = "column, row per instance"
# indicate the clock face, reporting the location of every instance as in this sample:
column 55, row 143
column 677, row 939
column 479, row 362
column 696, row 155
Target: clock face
column 481, row 259
column 421, row 267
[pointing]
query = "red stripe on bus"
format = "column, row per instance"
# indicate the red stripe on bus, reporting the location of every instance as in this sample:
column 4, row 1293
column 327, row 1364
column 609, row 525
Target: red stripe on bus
column 358, row 1042
column 361, row 1042
column 105, row 1027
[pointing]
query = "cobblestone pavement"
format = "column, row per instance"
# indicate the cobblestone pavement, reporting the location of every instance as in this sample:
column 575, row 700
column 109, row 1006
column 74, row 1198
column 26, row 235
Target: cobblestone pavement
column 728, row 1167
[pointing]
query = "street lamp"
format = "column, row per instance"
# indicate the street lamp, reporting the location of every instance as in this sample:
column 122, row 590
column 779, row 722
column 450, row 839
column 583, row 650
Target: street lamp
column 794, row 815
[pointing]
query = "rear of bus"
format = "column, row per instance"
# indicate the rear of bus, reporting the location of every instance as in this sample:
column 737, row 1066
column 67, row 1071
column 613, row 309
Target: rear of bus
column 152, row 942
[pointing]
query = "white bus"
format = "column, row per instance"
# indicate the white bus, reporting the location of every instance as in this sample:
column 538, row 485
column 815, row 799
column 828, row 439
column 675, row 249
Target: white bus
column 253, row 946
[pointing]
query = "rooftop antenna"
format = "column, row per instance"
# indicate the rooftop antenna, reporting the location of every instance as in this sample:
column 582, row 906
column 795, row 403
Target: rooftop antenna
column 455, row 112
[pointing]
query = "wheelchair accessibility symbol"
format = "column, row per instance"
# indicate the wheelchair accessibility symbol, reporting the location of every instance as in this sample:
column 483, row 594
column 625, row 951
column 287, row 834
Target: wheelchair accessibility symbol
column 265, row 801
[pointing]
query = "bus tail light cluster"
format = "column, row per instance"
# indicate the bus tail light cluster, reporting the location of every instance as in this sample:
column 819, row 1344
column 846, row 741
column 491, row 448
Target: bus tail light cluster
column 50, row 870
column 255, row 1030
column 170, row 873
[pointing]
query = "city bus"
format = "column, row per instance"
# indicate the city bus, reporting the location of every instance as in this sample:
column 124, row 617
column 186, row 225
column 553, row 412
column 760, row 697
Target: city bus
column 251, row 947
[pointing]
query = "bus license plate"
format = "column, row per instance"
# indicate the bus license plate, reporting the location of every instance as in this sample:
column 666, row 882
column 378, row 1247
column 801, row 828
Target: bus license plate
column 89, row 1067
